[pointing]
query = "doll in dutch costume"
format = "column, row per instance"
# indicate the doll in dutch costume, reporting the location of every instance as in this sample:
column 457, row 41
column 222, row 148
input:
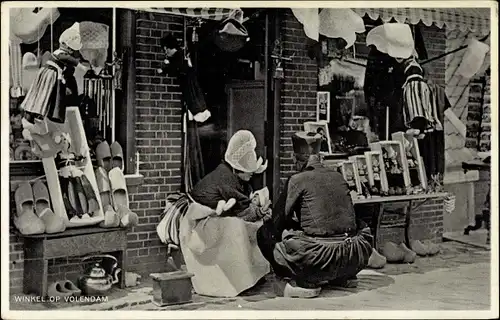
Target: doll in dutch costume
column 54, row 84
column 54, row 88
column 419, row 109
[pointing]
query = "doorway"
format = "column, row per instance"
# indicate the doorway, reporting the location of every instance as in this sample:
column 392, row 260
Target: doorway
column 235, row 87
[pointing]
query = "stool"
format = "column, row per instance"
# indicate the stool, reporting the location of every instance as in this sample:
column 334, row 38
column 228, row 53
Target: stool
column 171, row 288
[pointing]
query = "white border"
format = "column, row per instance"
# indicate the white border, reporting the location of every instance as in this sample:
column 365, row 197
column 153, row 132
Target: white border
column 251, row 314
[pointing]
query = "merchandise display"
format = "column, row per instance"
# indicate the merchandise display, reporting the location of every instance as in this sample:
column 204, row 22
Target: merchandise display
column 377, row 177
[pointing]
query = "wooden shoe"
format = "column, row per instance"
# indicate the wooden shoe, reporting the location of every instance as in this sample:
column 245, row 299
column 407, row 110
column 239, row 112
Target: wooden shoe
column 432, row 248
column 127, row 218
column 119, row 192
column 56, row 289
column 116, row 155
column 409, row 256
column 104, row 186
column 53, row 223
column 418, row 247
column 69, row 287
column 103, row 156
column 299, row 292
column 88, row 190
column 111, row 218
column 392, row 252
column 26, row 220
column 376, row 261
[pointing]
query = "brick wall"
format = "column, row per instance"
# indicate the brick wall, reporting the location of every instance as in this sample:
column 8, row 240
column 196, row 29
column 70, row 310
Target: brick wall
column 158, row 136
column 298, row 93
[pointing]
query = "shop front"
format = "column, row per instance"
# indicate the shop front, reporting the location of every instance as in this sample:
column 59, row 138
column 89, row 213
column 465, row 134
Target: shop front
column 271, row 83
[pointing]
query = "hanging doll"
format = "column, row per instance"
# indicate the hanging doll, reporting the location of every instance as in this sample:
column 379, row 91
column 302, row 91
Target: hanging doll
column 419, row 110
column 178, row 64
column 48, row 94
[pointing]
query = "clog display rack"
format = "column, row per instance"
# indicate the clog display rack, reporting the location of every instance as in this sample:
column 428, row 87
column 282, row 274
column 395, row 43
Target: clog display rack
column 73, row 126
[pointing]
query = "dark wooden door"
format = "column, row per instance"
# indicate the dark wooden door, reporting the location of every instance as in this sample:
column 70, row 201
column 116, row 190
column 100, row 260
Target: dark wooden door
column 247, row 110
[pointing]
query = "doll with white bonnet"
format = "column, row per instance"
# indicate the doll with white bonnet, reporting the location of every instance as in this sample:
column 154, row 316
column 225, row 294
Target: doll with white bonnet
column 48, row 94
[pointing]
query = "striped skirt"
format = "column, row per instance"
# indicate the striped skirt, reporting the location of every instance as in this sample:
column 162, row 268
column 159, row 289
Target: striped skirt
column 419, row 106
column 45, row 94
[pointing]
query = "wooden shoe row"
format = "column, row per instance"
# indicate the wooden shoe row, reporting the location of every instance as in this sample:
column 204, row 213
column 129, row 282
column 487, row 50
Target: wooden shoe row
column 113, row 187
column 34, row 214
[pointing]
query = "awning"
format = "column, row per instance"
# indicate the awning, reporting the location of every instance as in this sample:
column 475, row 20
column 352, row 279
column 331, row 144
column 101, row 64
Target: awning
column 464, row 19
column 205, row 13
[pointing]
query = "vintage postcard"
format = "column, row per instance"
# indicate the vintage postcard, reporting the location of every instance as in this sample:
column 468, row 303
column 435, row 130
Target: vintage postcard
column 249, row 159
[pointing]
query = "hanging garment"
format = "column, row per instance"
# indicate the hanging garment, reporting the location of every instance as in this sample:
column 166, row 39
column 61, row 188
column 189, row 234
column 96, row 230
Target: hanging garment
column 419, row 108
column 192, row 93
column 47, row 94
column 384, row 78
column 432, row 146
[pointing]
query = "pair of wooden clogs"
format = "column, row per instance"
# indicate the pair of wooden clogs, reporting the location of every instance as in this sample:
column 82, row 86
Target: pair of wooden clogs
column 109, row 157
column 34, row 214
column 79, row 197
column 425, row 248
column 64, row 288
column 113, row 187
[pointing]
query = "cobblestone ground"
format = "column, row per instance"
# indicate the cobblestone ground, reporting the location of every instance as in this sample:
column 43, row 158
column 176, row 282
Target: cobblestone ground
column 456, row 279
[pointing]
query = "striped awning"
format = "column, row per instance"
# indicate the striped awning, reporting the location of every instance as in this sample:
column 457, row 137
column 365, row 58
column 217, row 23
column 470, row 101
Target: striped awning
column 476, row 20
column 204, row 13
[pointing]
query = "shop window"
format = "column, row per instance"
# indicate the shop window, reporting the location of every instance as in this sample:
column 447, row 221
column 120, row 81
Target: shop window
column 99, row 97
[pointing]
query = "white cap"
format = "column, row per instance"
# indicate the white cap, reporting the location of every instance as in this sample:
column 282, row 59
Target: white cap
column 395, row 39
column 71, row 37
column 240, row 153
column 30, row 60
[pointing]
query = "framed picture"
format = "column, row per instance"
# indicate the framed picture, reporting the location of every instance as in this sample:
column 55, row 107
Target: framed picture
column 320, row 127
column 323, row 106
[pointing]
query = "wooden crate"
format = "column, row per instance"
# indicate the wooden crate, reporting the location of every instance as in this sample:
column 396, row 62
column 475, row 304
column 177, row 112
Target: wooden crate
column 74, row 127
column 349, row 172
column 376, row 172
column 413, row 157
column 394, row 158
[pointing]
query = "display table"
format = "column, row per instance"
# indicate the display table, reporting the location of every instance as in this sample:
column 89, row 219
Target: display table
column 38, row 249
column 408, row 209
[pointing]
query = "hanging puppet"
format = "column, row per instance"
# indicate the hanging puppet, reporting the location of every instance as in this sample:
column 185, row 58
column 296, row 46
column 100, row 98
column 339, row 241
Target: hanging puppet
column 419, row 110
column 54, row 88
column 54, row 84
column 178, row 64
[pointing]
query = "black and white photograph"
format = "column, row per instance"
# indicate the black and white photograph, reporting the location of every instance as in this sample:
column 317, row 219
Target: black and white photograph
column 181, row 160
column 323, row 106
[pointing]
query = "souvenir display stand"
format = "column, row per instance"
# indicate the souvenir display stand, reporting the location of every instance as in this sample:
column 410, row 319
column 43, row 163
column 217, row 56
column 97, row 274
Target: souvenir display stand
column 348, row 170
column 396, row 166
column 361, row 171
column 414, row 159
column 377, row 177
column 74, row 127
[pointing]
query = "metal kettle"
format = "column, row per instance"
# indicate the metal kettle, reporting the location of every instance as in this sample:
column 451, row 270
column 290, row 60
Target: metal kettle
column 96, row 281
